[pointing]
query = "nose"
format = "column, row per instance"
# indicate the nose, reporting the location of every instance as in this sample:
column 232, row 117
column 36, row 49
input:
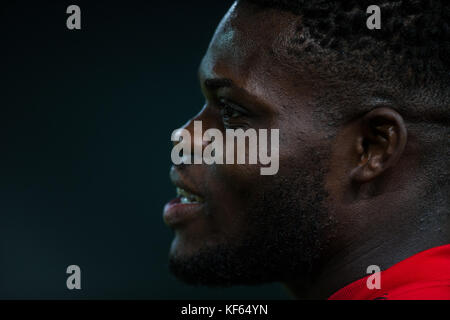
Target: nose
column 196, row 126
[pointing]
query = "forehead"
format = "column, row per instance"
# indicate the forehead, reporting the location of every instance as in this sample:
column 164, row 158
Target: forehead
column 245, row 47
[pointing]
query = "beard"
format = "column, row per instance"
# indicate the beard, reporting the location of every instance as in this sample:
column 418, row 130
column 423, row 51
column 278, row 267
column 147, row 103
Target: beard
column 285, row 238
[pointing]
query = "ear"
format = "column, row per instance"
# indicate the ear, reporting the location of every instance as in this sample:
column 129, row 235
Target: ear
column 380, row 142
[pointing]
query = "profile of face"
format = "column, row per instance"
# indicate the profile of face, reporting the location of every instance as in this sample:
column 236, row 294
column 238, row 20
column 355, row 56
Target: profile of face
column 233, row 225
column 244, row 227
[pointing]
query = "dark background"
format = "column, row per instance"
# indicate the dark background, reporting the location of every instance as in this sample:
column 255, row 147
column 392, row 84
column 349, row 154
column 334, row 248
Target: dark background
column 85, row 125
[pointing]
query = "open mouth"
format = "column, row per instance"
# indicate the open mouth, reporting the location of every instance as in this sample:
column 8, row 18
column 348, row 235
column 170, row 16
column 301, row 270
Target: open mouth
column 188, row 197
column 185, row 207
column 188, row 204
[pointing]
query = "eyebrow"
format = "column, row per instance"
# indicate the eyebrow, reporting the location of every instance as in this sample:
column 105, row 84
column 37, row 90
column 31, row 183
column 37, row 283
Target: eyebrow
column 216, row 83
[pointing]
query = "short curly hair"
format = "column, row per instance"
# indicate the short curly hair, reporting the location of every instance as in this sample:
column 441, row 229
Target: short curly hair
column 412, row 47
column 416, row 30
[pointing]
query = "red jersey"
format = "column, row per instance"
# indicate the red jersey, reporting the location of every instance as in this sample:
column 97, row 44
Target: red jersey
column 424, row 276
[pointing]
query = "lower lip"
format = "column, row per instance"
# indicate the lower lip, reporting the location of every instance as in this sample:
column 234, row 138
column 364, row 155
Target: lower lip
column 176, row 212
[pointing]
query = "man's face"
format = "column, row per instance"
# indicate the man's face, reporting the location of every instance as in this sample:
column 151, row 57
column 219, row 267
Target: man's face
column 249, row 227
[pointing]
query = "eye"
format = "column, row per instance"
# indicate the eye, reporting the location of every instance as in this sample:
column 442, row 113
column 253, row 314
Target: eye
column 230, row 110
column 230, row 113
column 233, row 116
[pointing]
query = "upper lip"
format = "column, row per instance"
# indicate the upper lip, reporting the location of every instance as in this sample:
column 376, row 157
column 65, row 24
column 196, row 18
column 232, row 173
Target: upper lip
column 179, row 181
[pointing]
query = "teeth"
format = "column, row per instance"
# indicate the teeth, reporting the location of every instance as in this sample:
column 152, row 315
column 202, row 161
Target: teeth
column 187, row 197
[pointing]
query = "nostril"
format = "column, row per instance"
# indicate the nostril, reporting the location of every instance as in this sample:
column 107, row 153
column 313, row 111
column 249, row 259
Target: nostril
column 180, row 166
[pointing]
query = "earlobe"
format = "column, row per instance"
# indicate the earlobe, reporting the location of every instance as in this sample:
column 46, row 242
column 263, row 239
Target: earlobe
column 380, row 143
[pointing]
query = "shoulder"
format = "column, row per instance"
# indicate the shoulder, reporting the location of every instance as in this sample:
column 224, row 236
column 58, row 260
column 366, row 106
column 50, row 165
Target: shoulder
column 433, row 290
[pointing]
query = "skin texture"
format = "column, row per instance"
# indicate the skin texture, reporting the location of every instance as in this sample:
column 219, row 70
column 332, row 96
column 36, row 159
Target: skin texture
column 343, row 199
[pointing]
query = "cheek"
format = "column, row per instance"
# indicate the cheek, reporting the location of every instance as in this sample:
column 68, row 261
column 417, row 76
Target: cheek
column 229, row 188
column 232, row 190
column 233, row 186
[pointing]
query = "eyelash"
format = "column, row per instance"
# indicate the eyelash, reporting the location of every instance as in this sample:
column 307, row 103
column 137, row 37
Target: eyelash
column 231, row 112
column 231, row 106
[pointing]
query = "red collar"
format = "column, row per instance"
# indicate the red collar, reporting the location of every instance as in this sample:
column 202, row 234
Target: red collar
column 424, row 276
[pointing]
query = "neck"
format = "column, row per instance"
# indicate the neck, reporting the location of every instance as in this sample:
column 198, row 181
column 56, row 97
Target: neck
column 384, row 248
